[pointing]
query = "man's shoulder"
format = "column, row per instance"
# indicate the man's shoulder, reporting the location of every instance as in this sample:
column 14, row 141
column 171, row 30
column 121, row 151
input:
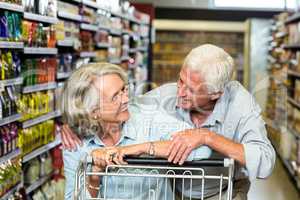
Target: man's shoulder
column 159, row 99
column 240, row 99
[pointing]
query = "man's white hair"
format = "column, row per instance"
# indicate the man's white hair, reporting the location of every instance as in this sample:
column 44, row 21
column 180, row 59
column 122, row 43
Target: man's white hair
column 213, row 63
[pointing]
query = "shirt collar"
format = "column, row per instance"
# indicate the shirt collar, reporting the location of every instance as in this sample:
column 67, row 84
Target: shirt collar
column 218, row 114
column 128, row 131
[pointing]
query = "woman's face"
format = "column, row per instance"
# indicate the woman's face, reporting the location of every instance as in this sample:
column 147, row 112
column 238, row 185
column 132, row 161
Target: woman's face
column 113, row 105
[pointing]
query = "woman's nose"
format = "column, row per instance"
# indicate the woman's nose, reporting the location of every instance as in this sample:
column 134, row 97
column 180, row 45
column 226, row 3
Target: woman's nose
column 181, row 91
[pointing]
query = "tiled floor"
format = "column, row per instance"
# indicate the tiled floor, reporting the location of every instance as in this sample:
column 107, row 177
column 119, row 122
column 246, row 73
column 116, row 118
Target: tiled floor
column 277, row 187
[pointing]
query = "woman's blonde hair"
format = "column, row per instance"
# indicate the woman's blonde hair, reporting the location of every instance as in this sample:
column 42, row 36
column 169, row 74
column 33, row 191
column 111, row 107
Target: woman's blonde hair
column 79, row 96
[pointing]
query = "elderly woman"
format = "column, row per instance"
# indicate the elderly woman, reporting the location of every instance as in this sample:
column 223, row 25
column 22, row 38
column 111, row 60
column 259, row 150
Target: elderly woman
column 95, row 105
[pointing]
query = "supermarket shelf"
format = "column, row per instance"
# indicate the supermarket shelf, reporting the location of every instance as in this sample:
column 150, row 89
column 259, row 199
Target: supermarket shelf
column 115, row 61
column 40, row 50
column 11, row 45
column 65, row 43
column 40, row 18
column 103, row 45
column 11, row 7
column 11, row 191
column 127, row 32
column 63, row 75
column 271, row 124
column 142, row 48
column 69, row 16
column 125, row 58
column 38, row 183
column 292, row 46
column 115, row 32
column 39, row 87
column 294, row 102
column 133, row 50
column 88, row 54
column 45, row 117
column 41, row 150
column 10, row 156
column 106, row 28
column 90, row 3
column 294, row 73
column 8, row 82
column 10, row 119
column 293, row 132
column 76, row 1
column 89, row 27
column 281, row 34
column 293, row 18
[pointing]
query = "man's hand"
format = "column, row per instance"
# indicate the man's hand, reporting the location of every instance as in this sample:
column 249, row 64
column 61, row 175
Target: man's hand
column 69, row 139
column 184, row 142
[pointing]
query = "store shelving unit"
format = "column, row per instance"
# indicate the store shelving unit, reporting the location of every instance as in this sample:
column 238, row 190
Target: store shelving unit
column 41, row 150
column 69, row 16
column 10, row 119
column 40, row 18
column 11, row 45
column 40, row 119
column 40, row 50
column 39, row 87
column 11, row 191
column 8, row 82
column 65, row 43
column 63, row 46
column 11, row 7
column 38, row 183
column 89, row 27
column 282, row 105
column 10, row 156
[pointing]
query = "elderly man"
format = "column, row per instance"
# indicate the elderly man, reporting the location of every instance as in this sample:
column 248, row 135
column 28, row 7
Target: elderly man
column 224, row 115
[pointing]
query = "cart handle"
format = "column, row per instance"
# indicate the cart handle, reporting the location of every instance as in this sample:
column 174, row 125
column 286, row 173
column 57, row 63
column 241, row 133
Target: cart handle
column 158, row 161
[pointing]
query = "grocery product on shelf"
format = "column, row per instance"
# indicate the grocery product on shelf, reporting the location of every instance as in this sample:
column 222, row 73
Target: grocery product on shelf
column 8, row 102
column 10, row 175
column 10, row 64
column 171, row 47
column 46, row 8
column 283, row 108
column 36, row 104
column 39, row 70
column 89, row 15
column 10, row 26
column 36, row 136
column 8, row 138
column 38, row 35
column 87, row 41
column 68, row 8
column 68, row 30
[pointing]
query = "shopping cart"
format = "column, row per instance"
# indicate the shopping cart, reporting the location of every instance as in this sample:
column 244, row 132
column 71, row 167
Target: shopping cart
column 155, row 176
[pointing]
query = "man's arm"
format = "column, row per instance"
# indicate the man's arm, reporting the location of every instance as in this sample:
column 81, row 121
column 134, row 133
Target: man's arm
column 184, row 142
column 253, row 149
column 69, row 139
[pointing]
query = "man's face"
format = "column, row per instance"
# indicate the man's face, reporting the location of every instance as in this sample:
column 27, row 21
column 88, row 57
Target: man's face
column 192, row 91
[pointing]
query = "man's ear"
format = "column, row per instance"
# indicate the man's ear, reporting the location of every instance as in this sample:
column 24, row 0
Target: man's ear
column 215, row 96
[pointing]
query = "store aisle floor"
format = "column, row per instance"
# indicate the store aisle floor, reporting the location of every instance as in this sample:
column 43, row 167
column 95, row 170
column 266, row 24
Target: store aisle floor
column 277, row 187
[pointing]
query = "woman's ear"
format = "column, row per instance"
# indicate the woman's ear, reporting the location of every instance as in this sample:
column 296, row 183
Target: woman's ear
column 95, row 114
column 215, row 96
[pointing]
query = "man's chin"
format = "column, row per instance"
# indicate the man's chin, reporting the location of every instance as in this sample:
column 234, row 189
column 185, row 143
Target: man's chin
column 184, row 105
